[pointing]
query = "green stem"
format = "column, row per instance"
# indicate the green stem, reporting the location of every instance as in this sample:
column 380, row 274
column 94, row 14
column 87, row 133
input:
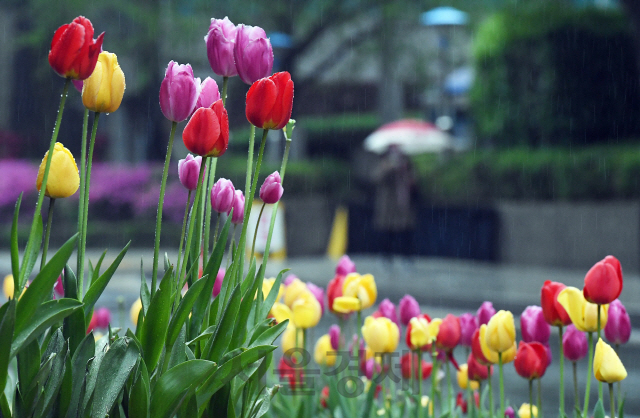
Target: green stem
column 600, row 392
column 434, row 373
column 247, row 181
column 83, row 179
column 215, row 233
column 304, row 349
column 207, row 200
column 576, row 395
column 255, row 234
column 561, row 373
column 43, row 186
column 501, row 385
column 585, row 411
column 163, row 185
column 85, row 206
column 491, row 401
column 531, row 398
column 225, row 81
column 47, row 233
column 449, row 389
column 419, row 377
column 184, row 228
column 612, row 401
column 617, row 348
column 539, row 398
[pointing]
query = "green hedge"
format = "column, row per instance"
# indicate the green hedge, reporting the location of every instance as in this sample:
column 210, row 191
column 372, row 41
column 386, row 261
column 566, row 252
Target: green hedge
column 593, row 173
column 553, row 75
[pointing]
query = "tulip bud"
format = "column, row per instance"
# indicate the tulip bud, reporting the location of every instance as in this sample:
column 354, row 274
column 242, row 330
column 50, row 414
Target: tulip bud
column 533, row 325
column 207, row 132
column 253, row 54
column 281, row 312
column 358, row 292
column 388, row 310
column 290, row 338
column 449, row 333
column 574, row 344
column 293, row 291
column 135, row 311
column 501, row 331
column 324, row 354
column 103, row 90
column 318, row 292
column 345, row 266
column 531, row 360
column 222, row 196
column 334, row 290
column 103, row 317
column 306, row 311
column 509, row 412
column 369, row 366
column 618, row 329
column 607, row 366
column 463, row 378
column 178, row 92
column 270, row 101
column 208, row 93
column 583, row 314
column 58, row 288
column 221, row 41
column 217, row 285
column 409, row 362
column 188, row 171
column 271, row 190
column 288, row 131
column 324, row 397
column 334, row 336
column 421, row 332
column 553, row 311
column 267, row 285
column 525, row 411
column 490, row 354
column 476, row 349
column 468, row 325
column 408, row 308
column 485, row 312
column 63, row 179
column 238, row 208
column 603, row 282
column 8, row 287
column 477, row 371
column 380, row 334
column 74, row 52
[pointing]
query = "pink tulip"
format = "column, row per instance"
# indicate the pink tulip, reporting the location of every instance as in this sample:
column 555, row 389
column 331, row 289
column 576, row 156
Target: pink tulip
column 468, row 325
column 388, row 310
column 509, row 412
column 334, row 335
column 238, row 208
column 217, row 285
column 533, row 325
column 485, row 312
column 618, row 328
column 58, row 288
column 208, row 93
column 221, row 41
column 188, row 171
column 102, row 317
column 409, row 308
column 574, row 343
column 222, row 196
column 369, row 367
column 253, row 54
column 287, row 280
column 318, row 292
column 345, row 266
column 271, row 190
column 178, row 92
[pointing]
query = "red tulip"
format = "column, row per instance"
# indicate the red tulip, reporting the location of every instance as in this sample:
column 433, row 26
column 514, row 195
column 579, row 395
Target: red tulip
column 270, row 101
column 324, row 396
column 409, row 362
column 289, row 370
column 476, row 349
column 449, row 334
column 553, row 312
column 207, row 132
column 531, row 360
column 74, row 53
column 408, row 335
column 475, row 370
column 603, row 282
column 461, row 402
column 334, row 290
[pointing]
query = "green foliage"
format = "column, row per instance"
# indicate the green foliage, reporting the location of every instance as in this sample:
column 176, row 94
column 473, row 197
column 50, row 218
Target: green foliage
column 552, row 74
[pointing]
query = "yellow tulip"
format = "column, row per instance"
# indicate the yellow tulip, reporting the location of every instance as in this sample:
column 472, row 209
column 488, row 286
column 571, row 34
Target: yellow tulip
column 492, row 355
column 135, row 311
column 289, row 337
column 525, row 411
column 293, row 290
column 63, row 179
column 97, row 336
column 281, row 312
column 324, row 354
column 583, row 314
column 424, row 401
column 423, row 332
column 463, row 378
column 103, row 90
column 607, row 366
column 306, row 310
column 267, row 284
column 381, row 334
column 346, row 304
column 501, row 332
column 8, row 286
column 358, row 292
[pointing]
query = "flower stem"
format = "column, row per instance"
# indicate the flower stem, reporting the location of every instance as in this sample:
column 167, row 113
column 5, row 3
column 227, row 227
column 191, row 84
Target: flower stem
column 43, row 187
column 491, row 402
column 449, row 389
column 539, row 397
column 184, row 228
column 585, row 411
column 575, row 385
column 163, row 185
column 531, row 398
column 617, row 348
column 47, row 233
column 83, row 179
column 225, row 81
column 432, row 397
column 612, row 401
column 85, row 206
column 247, row 182
column 419, row 376
column 501, row 385
column 207, row 203
column 561, row 373
column 255, row 233
column 600, row 395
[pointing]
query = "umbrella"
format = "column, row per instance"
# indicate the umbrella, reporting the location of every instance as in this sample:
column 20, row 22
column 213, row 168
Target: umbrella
column 410, row 135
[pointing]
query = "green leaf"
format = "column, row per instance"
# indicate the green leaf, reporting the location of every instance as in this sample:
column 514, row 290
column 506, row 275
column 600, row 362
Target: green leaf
column 145, row 294
column 74, row 327
column 92, row 375
column 269, row 336
column 85, row 351
column 15, row 256
column 98, row 285
column 96, row 271
column 598, row 410
column 184, row 308
column 219, row 342
column 273, row 294
column 247, row 302
column 8, row 315
column 176, row 383
column 178, row 351
column 31, row 252
column 41, row 287
column 621, row 408
column 167, row 264
column 139, row 404
column 261, row 406
column 47, row 314
column 116, row 366
column 36, row 387
column 55, row 380
column 28, row 365
column 156, row 322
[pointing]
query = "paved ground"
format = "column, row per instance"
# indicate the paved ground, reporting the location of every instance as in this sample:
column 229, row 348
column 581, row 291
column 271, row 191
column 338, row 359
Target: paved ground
column 441, row 286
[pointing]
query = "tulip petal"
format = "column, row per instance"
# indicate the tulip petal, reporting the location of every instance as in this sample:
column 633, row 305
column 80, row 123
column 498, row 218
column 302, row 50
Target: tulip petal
column 261, row 98
column 607, row 366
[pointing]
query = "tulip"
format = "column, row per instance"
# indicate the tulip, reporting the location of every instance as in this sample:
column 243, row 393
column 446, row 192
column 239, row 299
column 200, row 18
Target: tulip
column 533, row 325
column 421, row 332
column 324, row 354
column 388, row 310
column 463, row 378
column 103, row 317
column 78, row 84
column 408, row 308
column 74, row 52
column 607, row 366
column 188, row 171
column 269, row 101
column 509, row 412
column 253, row 54
column 461, row 402
column 217, row 285
column 306, row 311
column 489, row 353
column 485, row 312
column 477, row 371
column 531, row 360
column 603, row 282
column 287, row 280
column 583, row 314
column 63, row 179
column 409, row 362
column 525, row 411
column 222, row 196
column 468, row 325
column 58, row 288
column 574, row 344
column 208, row 93
column 293, row 291
column 501, row 332
column 449, row 333
column 271, row 190
column 135, row 311
column 207, row 132
column 618, row 329
column 178, row 92
column 221, row 42
column 288, row 370
column 345, row 266
column 103, row 90
column 290, row 338
column 381, row 334
column 334, row 290
column 324, row 397
column 318, row 292
column 476, row 349
column 552, row 310
column 371, row 366
column 358, row 292
column 281, row 312
column 267, row 284
column 8, row 287
column 238, row 208
column 334, row 336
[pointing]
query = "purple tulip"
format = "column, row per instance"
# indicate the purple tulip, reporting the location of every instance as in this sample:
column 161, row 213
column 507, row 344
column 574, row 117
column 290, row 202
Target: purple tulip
column 78, row 84
column 102, row 317
column 238, row 208
column 409, row 308
column 178, row 92
column 549, row 353
column 208, row 93
column 468, row 325
column 351, row 346
column 271, row 190
column 345, row 266
column 388, row 310
column 574, row 343
column 485, row 312
column 58, row 288
column 533, row 325
column 253, row 54
column 369, row 368
column 221, row 41
column 188, row 171
column 287, row 280
column 318, row 292
column 334, row 336
column 222, row 196
column 618, row 328
column 509, row 412
column 217, row 285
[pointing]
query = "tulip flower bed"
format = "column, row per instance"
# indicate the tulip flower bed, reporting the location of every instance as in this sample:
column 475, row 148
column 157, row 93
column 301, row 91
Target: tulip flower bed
column 205, row 333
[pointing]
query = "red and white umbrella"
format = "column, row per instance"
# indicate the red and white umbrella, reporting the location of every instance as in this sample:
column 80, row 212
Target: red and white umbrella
column 412, row 136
